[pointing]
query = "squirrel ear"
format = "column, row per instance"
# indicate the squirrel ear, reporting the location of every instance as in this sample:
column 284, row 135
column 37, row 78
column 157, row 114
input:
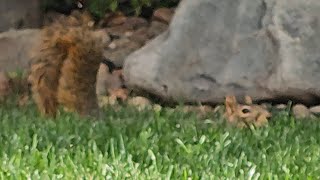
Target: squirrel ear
column 248, row 100
column 230, row 104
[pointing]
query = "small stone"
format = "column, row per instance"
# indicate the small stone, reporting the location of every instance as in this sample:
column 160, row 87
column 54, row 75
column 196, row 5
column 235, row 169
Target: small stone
column 163, row 15
column 106, row 100
column 140, row 36
column 315, row 109
column 119, row 49
column 156, row 28
column 118, row 20
column 281, row 106
column 140, row 102
column 113, row 19
column 131, row 24
column 300, row 111
column 128, row 33
column 136, row 22
column 122, row 42
column 157, row 107
column 112, row 45
column 103, row 34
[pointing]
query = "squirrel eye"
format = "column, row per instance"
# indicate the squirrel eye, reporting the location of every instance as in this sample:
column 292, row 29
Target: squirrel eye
column 245, row 110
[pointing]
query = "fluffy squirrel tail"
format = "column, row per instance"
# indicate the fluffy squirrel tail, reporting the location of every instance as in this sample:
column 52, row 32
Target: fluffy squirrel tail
column 64, row 66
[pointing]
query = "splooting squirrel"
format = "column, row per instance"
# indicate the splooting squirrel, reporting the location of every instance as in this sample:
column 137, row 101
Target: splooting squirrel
column 64, row 65
column 244, row 115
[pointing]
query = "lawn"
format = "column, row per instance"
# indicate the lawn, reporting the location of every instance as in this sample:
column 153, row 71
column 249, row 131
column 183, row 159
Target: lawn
column 129, row 144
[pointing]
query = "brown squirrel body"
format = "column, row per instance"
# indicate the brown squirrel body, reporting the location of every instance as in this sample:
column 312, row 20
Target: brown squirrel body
column 64, row 66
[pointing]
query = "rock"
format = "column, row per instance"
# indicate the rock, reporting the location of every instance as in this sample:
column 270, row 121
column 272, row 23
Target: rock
column 163, row 15
column 108, row 17
column 265, row 49
column 117, row 19
column 140, row 102
column 157, row 107
column 134, row 23
column 315, row 109
column 119, row 49
column 140, row 36
column 106, row 101
column 281, row 106
column 15, row 46
column 112, row 45
column 131, row 24
column 18, row 14
column 156, row 28
column 300, row 111
column 128, row 34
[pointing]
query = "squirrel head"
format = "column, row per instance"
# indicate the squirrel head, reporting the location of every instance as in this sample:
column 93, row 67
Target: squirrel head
column 244, row 114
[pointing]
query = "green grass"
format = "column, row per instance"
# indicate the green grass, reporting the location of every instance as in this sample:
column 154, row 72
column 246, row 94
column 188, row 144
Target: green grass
column 129, row 144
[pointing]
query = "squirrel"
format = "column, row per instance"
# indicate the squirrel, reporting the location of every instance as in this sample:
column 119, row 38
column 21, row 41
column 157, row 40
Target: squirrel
column 64, row 65
column 244, row 115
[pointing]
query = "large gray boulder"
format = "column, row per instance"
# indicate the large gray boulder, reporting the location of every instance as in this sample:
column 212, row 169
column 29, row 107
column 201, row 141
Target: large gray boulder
column 18, row 14
column 213, row 48
column 15, row 46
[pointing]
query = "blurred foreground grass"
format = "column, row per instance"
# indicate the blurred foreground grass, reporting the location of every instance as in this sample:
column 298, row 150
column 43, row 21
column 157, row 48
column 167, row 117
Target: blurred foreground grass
column 129, row 144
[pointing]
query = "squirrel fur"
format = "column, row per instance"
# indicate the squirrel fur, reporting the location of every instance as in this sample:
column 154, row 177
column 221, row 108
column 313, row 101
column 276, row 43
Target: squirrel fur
column 64, row 66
